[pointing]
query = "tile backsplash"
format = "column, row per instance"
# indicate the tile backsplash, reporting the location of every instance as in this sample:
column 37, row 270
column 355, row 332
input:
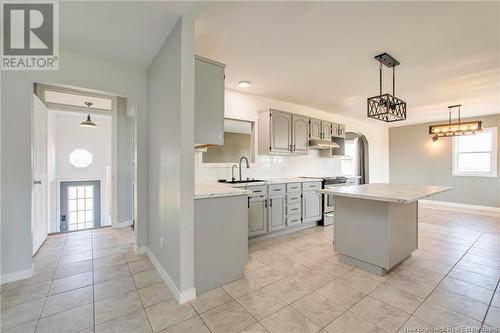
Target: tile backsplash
column 273, row 167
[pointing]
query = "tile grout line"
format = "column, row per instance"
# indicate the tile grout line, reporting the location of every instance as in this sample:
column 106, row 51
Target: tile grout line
column 93, row 281
column 489, row 305
column 51, row 281
column 444, row 277
column 137, row 291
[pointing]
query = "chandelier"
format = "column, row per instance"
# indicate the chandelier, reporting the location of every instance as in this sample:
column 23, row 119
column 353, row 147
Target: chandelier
column 386, row 107
column 454, row 129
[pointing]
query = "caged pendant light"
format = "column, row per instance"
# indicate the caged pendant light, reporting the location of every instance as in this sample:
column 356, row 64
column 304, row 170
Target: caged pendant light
column 88, row 122
column 386, row 107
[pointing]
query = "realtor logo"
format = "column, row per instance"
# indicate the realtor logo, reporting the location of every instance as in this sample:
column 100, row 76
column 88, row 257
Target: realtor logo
column 29, row 35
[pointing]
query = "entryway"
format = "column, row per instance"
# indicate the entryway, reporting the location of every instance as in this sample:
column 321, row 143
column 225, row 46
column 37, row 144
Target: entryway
column 80, row 205
column 83, row 152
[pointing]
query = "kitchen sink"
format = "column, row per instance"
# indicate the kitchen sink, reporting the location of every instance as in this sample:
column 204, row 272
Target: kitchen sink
column 244, row 181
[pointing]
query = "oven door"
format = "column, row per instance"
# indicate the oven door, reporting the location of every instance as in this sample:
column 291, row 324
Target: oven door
column 328, row 202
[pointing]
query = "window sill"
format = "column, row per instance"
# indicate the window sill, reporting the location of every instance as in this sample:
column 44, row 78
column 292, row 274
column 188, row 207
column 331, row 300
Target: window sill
column 487, row 175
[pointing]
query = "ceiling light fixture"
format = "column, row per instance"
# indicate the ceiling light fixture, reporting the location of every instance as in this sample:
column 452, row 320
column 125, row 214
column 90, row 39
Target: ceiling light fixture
column 244, row 84
column 454, row 129
column 386, row 107
column 88, row 122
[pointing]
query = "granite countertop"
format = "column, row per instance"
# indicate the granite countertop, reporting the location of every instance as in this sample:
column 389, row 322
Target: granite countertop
column 387, row 192
column 214, row 190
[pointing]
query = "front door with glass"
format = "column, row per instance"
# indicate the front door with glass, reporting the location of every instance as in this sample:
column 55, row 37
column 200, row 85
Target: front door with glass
column 80, row 205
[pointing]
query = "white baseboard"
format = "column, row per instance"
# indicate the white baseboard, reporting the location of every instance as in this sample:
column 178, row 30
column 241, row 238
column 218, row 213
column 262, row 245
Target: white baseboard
column 15, row 276
column 181, row 296
column 486, row 210
column 122, row 224
column 140, row 249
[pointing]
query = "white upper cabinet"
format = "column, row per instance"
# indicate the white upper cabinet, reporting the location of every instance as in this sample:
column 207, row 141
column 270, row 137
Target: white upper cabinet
column 326, row 130
column 300, row 134
column 208, row 102
column 281, row 132
column 315, row 129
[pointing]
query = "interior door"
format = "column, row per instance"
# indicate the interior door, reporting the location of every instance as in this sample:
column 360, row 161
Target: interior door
column 281, row 132
column 300, row 134
column 39, row 216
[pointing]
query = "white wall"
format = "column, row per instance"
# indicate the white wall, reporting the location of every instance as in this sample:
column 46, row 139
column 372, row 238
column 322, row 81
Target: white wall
column 246, row 107
column 75, row 70
column 67, row 136
column 171, row 160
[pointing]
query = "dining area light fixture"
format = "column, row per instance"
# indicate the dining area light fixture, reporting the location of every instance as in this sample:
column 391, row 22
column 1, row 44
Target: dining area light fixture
column 455, row 128
column 386, row 107
column 88, row 121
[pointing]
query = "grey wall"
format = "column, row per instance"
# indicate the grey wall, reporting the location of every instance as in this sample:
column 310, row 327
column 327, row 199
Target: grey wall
column 415, row 159
column 76, row 70
column 124, row 167
column 171, row 155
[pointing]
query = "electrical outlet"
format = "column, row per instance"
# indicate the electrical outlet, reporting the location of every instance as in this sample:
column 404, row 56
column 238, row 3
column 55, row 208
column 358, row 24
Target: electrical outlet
column 161, row 243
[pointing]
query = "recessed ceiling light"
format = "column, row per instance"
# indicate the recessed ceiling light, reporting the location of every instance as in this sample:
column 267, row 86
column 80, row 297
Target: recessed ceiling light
column 244, row 84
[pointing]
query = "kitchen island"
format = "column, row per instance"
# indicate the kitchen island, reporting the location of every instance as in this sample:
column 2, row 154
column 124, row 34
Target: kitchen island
column 376, row 225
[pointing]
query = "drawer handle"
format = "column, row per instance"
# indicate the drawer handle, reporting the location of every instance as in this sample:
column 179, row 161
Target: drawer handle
column 257, row 191
column 277, row 189
column 295, row 209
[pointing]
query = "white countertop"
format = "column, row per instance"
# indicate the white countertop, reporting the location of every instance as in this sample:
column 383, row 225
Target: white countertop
column 205, row 190
column 387, row 192
column 213, row 190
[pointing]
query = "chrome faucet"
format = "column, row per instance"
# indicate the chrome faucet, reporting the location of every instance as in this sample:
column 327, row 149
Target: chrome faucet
column 248, row 164
column 232, row 172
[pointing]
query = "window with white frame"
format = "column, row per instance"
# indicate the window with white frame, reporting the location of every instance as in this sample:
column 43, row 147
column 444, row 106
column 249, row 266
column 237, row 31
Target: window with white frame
column 476, row 155
column 349, row 159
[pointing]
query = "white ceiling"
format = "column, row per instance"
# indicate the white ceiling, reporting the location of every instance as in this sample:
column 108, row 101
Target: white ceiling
column 129, row 32
column 318, row 54
column 321, row 54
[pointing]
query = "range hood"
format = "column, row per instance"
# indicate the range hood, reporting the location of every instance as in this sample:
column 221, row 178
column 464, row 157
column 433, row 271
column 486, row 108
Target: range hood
column 322, row 144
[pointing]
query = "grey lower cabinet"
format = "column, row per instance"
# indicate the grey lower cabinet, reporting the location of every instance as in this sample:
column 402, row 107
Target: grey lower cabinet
column 276, row 212
column 220, row 240
column 257, row 215
column 311, row 206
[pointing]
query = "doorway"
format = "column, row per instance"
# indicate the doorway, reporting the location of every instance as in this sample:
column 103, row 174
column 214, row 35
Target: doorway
column 80, row 205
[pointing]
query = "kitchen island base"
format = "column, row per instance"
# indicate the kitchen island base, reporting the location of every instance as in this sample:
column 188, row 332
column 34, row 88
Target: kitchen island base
column 374, row 235
column 220, row 240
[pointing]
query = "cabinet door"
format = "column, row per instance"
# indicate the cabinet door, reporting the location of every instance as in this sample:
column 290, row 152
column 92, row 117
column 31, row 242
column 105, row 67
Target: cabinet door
column 315, row 129
column 311, row 206
column 276, row 212
column 326, row 130
column 335, row 129
column 300, row 132
column 208, row 102
column 257, row 216
column 281, row 132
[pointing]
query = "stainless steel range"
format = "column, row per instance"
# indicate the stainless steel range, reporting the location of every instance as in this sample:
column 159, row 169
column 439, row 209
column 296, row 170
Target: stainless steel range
column 328, row 199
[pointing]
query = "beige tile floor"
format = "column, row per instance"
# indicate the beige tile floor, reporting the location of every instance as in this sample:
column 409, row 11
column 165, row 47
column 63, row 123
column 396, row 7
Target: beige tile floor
column 92, row 281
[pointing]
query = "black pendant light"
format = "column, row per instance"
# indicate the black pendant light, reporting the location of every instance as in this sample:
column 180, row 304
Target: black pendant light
column 88, row 122
column 386, row 107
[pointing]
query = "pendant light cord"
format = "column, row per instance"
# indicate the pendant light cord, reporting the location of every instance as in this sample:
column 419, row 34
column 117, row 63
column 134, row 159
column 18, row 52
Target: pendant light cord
column 394, row 81
column 380, row 78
